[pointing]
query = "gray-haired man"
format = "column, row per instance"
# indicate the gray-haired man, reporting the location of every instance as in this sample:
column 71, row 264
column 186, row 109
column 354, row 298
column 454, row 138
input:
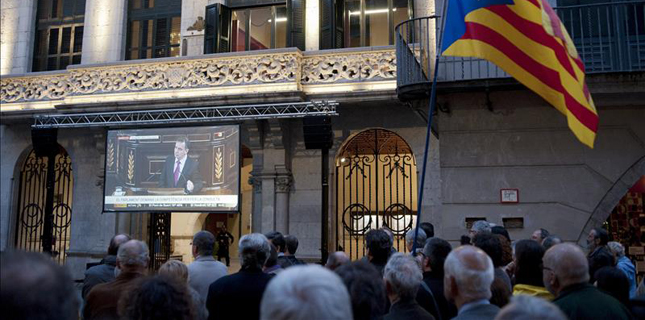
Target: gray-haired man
column 205, row 269
column 402, row 279
column 132, row 261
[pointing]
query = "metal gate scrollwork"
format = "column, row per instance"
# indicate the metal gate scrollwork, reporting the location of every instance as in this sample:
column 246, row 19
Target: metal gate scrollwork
column 376, row 179
column 159, row 239
column 37, row 228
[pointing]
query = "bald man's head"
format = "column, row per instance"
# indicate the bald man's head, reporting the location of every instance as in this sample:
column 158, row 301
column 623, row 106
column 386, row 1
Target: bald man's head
column 336, row 260
column 564, row 265
column 116, row 241
column 468, row 275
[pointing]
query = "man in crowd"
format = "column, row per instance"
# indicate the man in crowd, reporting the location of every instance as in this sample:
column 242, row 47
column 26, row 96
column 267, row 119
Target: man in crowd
column 428, row 228
column 434, row 255
column 410, row 239
column 566, row 276
column 32, row 286
column 104, row 272
column 366, row 289
column 479, row 226
column 180, row 171
column 238, row 296
column 378, row 245
column 204, row 270
column 336, row 260
column 550, row 241
column 599, row 255
column 292, row 246
column 306, row 292
column 468, row 276
column 402, row 279
column 277, row 239
column 539, row 235
column 132, row 262
column 224, row 240
column 525, row 307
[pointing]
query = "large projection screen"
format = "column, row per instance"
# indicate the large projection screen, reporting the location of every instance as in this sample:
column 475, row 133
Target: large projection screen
column 173, row 169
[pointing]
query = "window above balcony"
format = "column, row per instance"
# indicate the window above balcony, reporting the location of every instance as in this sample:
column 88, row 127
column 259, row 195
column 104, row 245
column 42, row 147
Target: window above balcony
column 153, row 29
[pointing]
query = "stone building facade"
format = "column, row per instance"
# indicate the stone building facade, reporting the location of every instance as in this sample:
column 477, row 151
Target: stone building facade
column 491, row 134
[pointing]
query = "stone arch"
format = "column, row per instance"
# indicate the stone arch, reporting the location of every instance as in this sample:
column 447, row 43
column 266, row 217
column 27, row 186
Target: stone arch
column 613, row 196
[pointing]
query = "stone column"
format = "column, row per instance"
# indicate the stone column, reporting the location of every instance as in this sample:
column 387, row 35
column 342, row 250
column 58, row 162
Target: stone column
column 312, row 25
column 105, row 31
column 17, row 33
column 256, row 212
column 282, row 186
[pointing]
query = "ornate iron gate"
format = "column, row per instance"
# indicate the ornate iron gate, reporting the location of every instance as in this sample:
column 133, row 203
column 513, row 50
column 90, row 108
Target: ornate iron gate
column 45, row 205
column 376, row 179
column 159, row 239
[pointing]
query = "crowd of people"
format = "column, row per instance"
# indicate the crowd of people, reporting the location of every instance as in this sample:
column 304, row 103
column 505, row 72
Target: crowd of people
column 488, row 276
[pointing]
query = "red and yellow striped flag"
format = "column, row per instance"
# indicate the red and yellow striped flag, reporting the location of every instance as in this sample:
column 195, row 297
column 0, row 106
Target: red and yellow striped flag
column 527, row 40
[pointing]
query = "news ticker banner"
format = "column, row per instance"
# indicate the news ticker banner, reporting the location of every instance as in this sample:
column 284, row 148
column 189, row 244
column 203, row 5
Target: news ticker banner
column 222, row 201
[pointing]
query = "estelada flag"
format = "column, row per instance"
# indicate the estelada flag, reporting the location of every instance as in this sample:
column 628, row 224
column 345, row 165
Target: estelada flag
column 527, row 40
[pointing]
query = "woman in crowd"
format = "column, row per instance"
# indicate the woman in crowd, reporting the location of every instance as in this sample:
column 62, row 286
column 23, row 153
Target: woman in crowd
column 528, row 270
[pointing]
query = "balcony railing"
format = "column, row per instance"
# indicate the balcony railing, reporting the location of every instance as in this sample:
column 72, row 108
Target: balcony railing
column 214, row 77
column 609, row 37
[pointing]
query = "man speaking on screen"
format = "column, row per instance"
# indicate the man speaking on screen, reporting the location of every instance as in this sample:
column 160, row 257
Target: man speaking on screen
column 180, row 171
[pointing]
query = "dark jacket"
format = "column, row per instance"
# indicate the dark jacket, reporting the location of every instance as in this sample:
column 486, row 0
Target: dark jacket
column 102, row 302
column 434, row 282
column 189, row 172
column 584, row 301
column 102, row 273
column 407, row 309
column 479, row 312
column 237, row 296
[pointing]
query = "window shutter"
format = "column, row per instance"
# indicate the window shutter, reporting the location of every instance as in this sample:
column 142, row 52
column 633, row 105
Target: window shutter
column 218, row 29
column 296, row 33
column 339, row 24
column 326, row 24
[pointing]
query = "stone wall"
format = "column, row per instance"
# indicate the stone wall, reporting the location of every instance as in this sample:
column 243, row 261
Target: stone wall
column 17, row 33
column 104, row 32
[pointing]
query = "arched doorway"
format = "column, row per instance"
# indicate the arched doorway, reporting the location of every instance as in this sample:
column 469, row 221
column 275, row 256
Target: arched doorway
column 44, row 214
column 376, row 179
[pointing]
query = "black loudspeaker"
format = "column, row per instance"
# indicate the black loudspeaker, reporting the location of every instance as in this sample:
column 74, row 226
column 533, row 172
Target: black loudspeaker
column 44, row 141
column 317, row 132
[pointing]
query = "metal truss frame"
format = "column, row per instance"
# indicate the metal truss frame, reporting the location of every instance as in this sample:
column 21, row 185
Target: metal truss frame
column 188, row 115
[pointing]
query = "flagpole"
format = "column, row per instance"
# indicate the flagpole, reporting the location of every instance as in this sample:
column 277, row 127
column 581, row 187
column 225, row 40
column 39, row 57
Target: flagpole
column 431, row 107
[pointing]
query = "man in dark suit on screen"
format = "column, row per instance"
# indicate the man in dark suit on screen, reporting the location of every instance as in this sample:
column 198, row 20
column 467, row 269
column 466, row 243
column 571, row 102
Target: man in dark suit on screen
column 180, row 171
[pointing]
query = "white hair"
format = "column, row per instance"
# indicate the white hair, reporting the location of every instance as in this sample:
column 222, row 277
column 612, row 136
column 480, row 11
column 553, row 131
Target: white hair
column 421, row 237
column 524, row 307
column 472, row 283
column 403, row 274
column 133, row 253
column 616, row 248
column 307, row 292
column 481, row 226
column 254, row 250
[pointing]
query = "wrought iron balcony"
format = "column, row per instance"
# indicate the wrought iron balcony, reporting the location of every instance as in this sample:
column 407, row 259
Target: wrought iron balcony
column 210, row 78
column 609, row 37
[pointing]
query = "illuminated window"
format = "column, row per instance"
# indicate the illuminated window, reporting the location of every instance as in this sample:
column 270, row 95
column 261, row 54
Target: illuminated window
column 153, row 29
column 59, row 35
column 245, row 29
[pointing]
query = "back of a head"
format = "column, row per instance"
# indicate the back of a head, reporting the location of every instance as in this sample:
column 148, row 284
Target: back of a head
column 550, row 241
column 273, row 257
column 308, row 292
column 428, row 228
column 133, row 253
column 116, row 241
column 502, row 231
column 602, row 258
column 420, row 239
column 157, row 298
column 568, row 263
column 491, row 244
column 277, row 239
column 544, row 233
column 254, row 250
column 614, row 282
column 528, row 267
column 602, row 235
column 525, row 307
column 204, row 241
column 616, row 248
column 32, row 286
column 292, row 243
column 379, row 245
column 403, row 274
column 472, row 270
column 481, row 226
column 366, row 289
column 437, row 250
column 336, row 260
column 174, row 269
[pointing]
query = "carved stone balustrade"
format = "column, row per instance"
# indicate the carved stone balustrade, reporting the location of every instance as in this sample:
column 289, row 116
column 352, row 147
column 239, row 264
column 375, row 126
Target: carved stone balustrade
column 204, row 77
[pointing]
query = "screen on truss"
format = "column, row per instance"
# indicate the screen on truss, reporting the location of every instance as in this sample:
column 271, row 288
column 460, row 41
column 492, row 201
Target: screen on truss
column 173, row 169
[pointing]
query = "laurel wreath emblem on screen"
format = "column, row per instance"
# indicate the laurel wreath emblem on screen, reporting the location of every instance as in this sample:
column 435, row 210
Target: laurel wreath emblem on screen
column 131, row 166
column 219, row 164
